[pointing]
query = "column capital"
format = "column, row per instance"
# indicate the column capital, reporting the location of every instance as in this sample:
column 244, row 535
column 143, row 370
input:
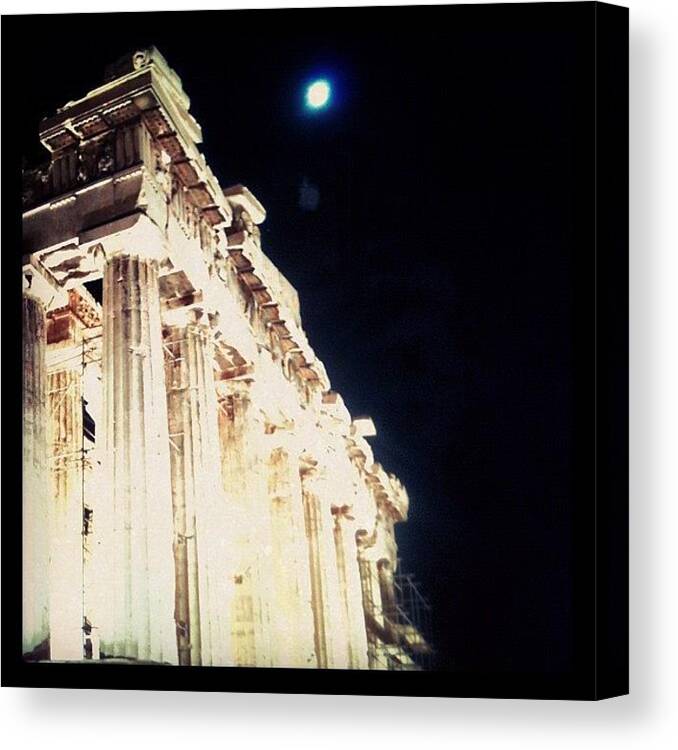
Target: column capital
column 315, row 478
column 308, row 466
column 365, row 540
column 283, row 436
column 240, row 387
column 136, row 236
column 343, row 515
column 187, row 315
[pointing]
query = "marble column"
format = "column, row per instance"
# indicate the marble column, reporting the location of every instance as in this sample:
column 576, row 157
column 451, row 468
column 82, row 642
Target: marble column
column 138, row 533
column 200, row 513
column 292, row 621
column 244, row 476
column 36, row 481
column 331, row 636
column 66, row 543
column 350, row 587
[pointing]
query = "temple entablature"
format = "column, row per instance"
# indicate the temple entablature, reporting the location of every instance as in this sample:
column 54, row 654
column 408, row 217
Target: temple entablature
column 138, row 82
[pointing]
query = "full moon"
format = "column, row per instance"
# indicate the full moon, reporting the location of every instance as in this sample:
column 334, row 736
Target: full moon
column 318, row 94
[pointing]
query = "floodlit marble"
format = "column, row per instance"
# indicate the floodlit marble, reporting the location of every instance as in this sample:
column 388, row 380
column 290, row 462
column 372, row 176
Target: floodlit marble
column 36, row 489
column 195, row 492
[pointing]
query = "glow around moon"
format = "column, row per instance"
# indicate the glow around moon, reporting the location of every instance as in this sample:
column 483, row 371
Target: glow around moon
column 318, row 94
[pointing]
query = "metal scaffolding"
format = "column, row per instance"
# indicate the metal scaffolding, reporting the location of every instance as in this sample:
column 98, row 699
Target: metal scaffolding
column 82, row 456
column 398, row 636
column 413, row 621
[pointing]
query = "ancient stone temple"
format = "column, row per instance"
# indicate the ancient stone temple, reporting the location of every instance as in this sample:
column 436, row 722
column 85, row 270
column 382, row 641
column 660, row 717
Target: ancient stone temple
column 194, row 491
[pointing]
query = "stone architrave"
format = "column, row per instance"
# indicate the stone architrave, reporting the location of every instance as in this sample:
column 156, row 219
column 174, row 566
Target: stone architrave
column 36, row 482
column 138, row 533
column 200, row 512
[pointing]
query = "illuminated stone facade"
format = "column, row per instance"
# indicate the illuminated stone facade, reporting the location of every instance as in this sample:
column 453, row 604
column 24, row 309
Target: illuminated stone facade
column 195, row 493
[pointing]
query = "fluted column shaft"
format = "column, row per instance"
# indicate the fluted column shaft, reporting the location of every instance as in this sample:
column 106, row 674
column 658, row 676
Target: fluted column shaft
column 292, row 615
column 66, row 564
column 372, row 604
column 350, row 587
column 331, row 637
column 139, row 533
column 200, row 513
column 35, row 500
column 244, row 475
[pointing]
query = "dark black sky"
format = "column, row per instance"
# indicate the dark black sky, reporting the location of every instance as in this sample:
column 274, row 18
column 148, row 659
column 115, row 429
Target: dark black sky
column 434, row 275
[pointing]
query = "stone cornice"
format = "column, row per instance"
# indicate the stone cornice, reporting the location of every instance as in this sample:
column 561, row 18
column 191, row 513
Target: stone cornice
column 267, row 322
column 143, row 80
column 82, row 136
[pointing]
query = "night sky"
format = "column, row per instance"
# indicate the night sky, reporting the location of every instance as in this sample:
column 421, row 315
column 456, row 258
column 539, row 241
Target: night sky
column 426, row 220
